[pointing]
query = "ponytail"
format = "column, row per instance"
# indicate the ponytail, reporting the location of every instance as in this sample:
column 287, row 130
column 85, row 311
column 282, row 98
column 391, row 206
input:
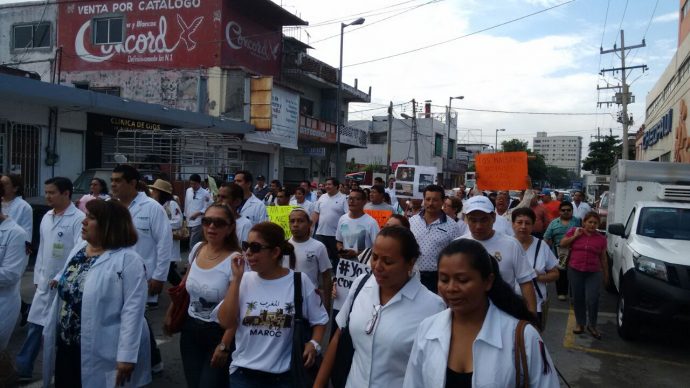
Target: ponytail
column 287, row 249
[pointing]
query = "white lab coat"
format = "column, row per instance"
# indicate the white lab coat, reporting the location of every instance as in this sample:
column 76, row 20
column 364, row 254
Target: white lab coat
column 13, row 261
column 254, row 209
column 20, row 212
column 154, row 244
column 113, row 328
column 58, row 236
column 493, row 353
column 174, row 213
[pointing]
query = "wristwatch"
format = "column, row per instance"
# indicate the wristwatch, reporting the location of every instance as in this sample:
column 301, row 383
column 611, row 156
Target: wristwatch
column 223, row 348
column 317, row 346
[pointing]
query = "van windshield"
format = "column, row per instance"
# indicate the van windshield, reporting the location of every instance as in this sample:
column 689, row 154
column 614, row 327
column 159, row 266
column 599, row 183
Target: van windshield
column 664, row 222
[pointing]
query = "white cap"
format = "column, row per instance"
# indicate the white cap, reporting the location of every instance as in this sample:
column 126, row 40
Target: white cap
column 478, row 202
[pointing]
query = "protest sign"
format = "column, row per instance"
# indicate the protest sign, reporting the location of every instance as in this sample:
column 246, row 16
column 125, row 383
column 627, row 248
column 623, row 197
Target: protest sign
column 381, row 216
column 280, row 215
column 411, row 180
column 502, row 171
column 346, row 272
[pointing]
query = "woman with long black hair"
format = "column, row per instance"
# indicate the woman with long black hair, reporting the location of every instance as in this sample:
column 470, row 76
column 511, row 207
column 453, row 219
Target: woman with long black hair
column 472, row 343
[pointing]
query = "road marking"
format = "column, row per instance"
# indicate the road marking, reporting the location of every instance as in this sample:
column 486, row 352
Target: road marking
column 569, row 342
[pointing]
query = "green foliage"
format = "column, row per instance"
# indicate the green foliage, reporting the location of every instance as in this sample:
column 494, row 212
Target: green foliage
column 514, row 145
column 558, row 177
column 603, row 155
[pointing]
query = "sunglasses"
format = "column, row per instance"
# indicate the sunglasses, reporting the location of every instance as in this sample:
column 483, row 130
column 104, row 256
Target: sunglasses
column 372, row 322
column 218, row 222
column 254, row 247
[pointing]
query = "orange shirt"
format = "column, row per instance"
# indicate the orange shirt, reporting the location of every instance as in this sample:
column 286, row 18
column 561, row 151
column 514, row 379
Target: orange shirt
column 553, row 209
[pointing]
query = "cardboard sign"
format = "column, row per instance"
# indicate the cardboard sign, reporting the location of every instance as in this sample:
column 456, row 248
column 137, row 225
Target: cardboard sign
column 411, row 180
column 502, row 171
column 280, row 215
column 381, row 216
column 346, row 272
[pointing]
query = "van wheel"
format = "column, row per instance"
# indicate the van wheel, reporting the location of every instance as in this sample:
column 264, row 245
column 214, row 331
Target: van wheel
column 611, row 288
column 625, row 321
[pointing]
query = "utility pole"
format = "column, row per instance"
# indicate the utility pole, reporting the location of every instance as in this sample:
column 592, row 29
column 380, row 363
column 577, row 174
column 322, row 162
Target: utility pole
column 390, row 140
column 414, row 132
column 624, row 97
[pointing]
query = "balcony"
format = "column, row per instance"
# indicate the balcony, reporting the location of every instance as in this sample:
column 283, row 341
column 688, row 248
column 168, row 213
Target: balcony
column 320, row 131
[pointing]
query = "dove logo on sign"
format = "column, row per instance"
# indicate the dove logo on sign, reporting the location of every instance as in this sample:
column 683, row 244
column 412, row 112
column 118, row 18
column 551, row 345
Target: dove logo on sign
column 142, row 44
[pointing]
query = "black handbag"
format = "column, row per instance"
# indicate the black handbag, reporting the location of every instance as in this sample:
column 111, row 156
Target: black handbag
column 301, row 334
column 345, row 350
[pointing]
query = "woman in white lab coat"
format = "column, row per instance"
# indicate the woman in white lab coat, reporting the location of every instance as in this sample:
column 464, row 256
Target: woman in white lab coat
column 472, row 343
column 162, row 191
column 96, row 336
column 13, row 261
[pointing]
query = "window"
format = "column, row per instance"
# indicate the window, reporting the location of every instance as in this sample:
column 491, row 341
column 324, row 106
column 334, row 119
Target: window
column 451, row 148
column 438, row 145
column 28, row 36
column 378, row 138
column 109, row 90
column 107, row 30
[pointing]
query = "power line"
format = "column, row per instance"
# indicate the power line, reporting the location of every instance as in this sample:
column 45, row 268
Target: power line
column 370, row 13
column 650, row 20
column 461, row 36
column 620, row 25
column 529, row 113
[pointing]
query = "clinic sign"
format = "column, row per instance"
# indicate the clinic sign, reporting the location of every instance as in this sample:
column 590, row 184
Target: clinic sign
column 164, row 34
column 660, row 130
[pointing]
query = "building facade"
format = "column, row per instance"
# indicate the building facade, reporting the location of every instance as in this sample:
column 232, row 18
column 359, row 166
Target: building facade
column 560, row 151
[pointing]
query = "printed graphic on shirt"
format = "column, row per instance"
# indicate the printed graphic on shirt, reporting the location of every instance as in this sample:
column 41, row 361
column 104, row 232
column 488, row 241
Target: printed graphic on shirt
column 354, row 236
column 203, row 298
column 268, row 318
column 498, row 256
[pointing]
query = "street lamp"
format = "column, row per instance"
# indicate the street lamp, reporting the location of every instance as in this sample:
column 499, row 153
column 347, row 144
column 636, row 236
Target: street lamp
column 339, row 120
column 496, row 144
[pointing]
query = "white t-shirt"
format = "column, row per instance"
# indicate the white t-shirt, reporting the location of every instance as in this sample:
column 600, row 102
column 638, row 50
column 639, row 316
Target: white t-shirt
column 242, row 227
column 311, row 259
column 502, row 225
column 306, row 205
column 546, row 261
column 264, row 334
column 207, row 287
column 357, row 233
column 194, row 202
column 512, row 262
column 330, row 209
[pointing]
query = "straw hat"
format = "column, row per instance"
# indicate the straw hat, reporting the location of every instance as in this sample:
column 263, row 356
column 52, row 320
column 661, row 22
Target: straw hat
column 162, row 185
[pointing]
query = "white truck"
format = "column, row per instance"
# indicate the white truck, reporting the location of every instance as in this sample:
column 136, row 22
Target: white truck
column 648, row 242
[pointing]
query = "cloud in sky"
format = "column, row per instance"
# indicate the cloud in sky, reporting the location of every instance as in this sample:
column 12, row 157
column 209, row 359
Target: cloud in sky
column 667, row 17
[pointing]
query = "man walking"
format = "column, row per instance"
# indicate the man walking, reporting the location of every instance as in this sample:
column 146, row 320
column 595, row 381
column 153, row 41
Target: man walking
column 377, row 197
column 580, row 209
column 251, row 207
column 329, row 208
column 232, row 195
column 60, row 230
column 356, row 230
column 196, row 201
column 260, row 190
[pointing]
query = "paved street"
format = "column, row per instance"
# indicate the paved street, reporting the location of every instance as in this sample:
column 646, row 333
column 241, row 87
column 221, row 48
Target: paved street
column 660, row 358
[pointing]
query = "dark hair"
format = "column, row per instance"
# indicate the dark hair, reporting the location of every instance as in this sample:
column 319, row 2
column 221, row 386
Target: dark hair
column 408, row 243
column 591, row 214
column 456, row 203
column 129, row 173
column 403, row 220
column 378, row 188
column 236, row 191
column 195, row 178
column 163, row 197
column 300, row 189
column 579, row 191
column 274, row 236
column 435, row 189
column 333, row 180
column 104, row 186
column 378, row 179
column 63, row 184
column 305, row 181
column 246, row 175
column 116, row 229
column 523, row 211
column 17, row 183
column 230, row 241
column 566, row 204
column 387, row 198
column 502, row 294
column 358, row 190
column 276, row 182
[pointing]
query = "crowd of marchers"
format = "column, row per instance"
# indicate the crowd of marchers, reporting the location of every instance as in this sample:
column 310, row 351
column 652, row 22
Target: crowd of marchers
column 454, row 296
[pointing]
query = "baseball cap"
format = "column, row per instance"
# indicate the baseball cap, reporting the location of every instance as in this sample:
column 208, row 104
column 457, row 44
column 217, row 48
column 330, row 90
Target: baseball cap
column 478, row 202
column 260, row 178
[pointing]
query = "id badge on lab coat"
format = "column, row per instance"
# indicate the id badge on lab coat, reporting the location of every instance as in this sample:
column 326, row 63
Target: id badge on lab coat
column 58, row 250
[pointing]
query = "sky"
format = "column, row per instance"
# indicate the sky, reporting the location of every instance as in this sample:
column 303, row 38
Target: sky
column 548, row 62
column 499, row 58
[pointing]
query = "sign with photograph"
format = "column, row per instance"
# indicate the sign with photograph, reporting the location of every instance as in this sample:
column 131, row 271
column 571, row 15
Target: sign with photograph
column 411, row 180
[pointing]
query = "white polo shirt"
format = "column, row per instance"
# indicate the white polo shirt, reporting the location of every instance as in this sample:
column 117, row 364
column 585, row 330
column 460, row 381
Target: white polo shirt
column 381, row 357
column 433, row 238
column 330, row 209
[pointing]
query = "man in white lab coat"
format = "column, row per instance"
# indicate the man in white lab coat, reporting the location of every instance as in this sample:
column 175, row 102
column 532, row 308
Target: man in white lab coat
column 60, row 230
column 251, row 207
column 155, row 238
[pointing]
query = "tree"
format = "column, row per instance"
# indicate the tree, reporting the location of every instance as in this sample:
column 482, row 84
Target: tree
column 536, row 166
column 603, row 155
column 558, row 177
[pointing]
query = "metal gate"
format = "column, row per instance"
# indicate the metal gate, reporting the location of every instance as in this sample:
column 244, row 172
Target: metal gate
column 20, row 154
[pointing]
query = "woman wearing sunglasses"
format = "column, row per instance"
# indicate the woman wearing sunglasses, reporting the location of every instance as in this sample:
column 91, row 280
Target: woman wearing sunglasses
column 385, row 315
column 204, row 345
column 472, row 343
column 259, row 307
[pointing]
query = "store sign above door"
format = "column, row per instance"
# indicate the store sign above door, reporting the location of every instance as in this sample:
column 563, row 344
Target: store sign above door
column 659, row 131
column 115, row 124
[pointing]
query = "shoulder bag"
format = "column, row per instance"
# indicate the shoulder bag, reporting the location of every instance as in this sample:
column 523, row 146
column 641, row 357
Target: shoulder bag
column 521, row 370
column 301, row 334
column 345, row 350
column 179, row 297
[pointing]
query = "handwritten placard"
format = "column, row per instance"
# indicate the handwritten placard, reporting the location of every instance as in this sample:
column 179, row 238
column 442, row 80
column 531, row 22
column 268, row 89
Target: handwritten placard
column 346, row 272
column 502, row 171
column 381, row 216
column 280, row 215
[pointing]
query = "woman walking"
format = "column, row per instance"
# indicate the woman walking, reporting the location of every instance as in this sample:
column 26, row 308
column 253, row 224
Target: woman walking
column 553, row 235
column 162, row 192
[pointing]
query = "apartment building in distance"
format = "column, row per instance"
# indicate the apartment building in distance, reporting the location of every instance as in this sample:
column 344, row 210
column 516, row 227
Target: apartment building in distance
column 560, row 151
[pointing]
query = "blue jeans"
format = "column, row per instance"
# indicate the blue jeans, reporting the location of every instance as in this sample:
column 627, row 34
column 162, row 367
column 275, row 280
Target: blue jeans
column 585, row 287
column 247, row 378
column 195, row 235
column 27, row 355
